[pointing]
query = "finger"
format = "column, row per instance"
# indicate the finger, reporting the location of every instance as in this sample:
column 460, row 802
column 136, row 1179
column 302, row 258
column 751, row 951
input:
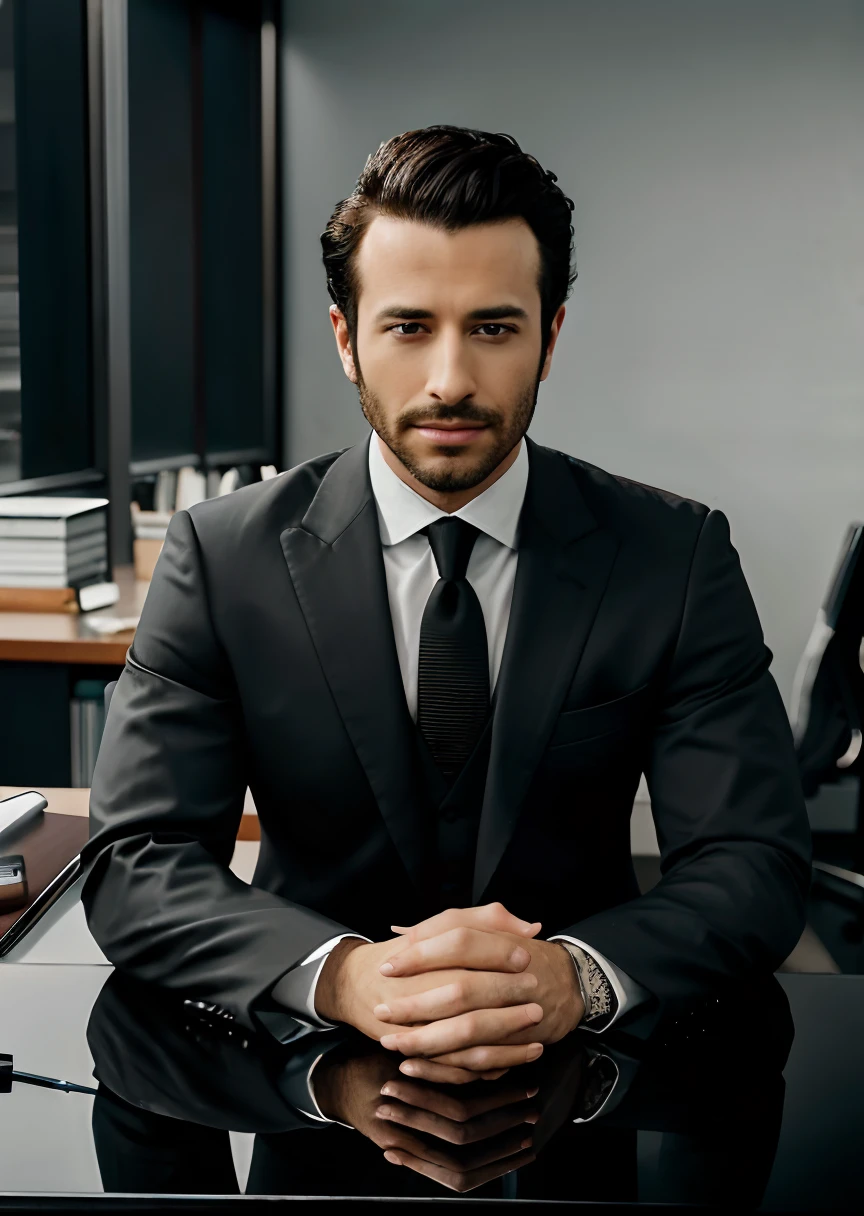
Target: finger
column 460, row 1108
column 466, row 1030
column 456, row 1180
column 490, row 917
column 463, row 1132
column 391, row 1136
column 459, row 947
column 469, row 1157
column 472, row 990
column 442, row 1074
column 481, row 1059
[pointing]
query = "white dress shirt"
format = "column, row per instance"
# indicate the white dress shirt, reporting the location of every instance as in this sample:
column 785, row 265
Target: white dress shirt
column 409, row 563
column 411, row 574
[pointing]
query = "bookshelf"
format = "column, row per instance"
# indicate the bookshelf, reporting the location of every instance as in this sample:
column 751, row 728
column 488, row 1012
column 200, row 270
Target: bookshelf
column 43, row 656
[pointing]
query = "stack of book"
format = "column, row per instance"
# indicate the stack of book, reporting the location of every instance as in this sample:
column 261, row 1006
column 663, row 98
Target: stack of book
column 51, row 548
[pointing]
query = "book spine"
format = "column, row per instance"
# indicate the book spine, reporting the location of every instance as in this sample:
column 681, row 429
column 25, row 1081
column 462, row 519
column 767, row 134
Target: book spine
column 87, row 523
column 75, row 742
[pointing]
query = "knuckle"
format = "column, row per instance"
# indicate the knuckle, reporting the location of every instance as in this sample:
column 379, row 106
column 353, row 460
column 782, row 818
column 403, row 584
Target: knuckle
column 460, row 992
column 493, row 914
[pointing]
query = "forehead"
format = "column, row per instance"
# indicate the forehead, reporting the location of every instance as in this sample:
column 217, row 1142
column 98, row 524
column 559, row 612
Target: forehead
column 417, row 262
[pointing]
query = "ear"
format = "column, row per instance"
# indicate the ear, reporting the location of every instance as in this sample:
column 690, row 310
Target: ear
column 343, row 342
column 554, row 331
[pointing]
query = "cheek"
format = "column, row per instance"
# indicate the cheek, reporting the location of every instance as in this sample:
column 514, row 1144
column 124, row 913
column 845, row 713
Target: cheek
column 393, row 372
column 505, row 373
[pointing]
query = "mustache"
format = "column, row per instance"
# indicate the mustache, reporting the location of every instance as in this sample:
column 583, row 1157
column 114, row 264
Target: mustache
column 467, row 411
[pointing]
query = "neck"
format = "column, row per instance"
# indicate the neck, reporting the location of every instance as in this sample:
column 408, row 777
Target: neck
column 448, row 501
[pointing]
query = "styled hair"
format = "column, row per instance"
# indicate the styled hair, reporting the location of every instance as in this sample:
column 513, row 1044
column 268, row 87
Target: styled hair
column 453, row 177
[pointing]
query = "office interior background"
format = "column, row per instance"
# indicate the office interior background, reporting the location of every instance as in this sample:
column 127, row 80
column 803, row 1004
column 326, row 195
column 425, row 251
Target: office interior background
column 166, row 169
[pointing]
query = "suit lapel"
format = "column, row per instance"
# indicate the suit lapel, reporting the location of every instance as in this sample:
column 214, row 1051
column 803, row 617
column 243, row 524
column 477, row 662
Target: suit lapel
column 565, row 560
column 334, row 558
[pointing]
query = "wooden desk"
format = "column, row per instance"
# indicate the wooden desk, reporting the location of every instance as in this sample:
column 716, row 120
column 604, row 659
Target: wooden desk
column 68, row 801
column 65, row 637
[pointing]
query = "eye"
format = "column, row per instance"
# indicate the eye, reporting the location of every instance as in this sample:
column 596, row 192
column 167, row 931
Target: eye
column 493, row 329
column 406, row 329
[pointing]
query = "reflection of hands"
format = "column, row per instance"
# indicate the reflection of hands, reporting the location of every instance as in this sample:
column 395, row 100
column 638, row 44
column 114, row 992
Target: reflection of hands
column 461, row 1139
column 511, row 994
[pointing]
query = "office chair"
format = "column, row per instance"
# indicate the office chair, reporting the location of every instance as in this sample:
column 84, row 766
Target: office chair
column 828, row 706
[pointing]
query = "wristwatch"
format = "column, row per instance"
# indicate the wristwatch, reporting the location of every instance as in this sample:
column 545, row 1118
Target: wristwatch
column 599, row 999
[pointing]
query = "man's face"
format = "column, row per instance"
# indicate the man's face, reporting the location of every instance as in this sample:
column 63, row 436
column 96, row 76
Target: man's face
column 448, row 338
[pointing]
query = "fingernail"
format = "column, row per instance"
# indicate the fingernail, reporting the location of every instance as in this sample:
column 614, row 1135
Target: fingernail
column 387, row 1092
column 389, row 1041
column 408, row 1068
column 533, row 1052
column 535, row 1012
column 520, row 958
column 383, row 1112
column 392, row 1158
column 386, row 968
column 400, row 928
column 381, row 1011
column 526, row 1143
column 529, row 1094
column 532, row 1118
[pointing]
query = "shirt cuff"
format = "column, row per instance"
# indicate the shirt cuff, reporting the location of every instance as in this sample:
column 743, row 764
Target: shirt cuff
column 318, row 1114
column 626, row 991
column 296, row 989
column 608, row 1077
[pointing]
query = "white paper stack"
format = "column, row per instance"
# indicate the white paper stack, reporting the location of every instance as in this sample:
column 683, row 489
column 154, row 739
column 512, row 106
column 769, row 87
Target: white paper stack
column 53, row 542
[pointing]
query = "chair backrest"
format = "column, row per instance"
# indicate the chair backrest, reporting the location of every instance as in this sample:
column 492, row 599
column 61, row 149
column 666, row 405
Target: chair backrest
column 109, row 693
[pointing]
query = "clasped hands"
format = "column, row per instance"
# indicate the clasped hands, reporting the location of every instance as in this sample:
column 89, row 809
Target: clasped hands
column 468, row 993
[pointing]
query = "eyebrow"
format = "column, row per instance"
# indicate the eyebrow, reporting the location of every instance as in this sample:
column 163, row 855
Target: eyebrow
column 497, row 312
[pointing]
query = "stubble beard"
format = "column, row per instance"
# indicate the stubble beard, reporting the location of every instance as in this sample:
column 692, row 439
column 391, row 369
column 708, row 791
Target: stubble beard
column 444, row 480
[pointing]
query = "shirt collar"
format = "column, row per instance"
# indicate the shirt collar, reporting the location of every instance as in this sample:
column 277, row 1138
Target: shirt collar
column 402, row 511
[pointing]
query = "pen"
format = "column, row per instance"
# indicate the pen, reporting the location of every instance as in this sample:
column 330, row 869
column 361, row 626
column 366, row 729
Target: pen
column 8, row 1075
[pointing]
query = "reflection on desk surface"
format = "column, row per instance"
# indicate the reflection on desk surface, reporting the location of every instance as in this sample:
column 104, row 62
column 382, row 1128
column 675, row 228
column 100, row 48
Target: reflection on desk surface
column 749, row 1099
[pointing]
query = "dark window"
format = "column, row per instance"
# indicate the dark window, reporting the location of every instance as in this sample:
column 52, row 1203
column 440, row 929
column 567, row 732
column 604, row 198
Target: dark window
column 46, row 408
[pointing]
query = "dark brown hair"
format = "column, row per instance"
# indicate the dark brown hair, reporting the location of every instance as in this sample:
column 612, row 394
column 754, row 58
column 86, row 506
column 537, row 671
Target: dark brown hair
column 453, row 177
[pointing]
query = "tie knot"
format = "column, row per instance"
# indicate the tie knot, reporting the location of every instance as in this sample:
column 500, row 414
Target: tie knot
column 451, row 540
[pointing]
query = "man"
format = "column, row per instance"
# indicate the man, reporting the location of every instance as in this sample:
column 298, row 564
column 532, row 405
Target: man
column 441, row 661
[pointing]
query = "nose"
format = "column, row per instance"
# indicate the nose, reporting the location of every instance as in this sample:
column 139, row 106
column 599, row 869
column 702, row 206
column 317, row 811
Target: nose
column 450, row 379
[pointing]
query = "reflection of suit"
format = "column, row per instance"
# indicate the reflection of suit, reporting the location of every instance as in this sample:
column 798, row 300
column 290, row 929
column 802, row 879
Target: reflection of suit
column 265, row 654
column 171, row 1086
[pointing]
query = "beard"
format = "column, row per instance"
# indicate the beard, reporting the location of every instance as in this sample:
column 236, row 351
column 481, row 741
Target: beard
column 509, row 427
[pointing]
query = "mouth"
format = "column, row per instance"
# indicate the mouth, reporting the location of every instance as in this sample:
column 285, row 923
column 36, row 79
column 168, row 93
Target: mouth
column 451, row 432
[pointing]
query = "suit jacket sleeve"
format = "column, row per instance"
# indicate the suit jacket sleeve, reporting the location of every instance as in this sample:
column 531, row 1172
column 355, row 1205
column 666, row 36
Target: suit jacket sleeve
column 726, row 799
column 166, row 802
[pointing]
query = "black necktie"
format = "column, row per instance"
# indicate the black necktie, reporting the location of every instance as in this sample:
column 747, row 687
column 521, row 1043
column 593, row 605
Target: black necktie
column 453, row 671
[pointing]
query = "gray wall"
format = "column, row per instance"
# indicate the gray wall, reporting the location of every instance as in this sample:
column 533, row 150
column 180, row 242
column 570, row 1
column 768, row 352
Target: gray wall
column 715, row 153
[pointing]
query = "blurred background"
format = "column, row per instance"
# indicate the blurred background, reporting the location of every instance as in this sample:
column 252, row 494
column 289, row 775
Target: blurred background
column 165, row 171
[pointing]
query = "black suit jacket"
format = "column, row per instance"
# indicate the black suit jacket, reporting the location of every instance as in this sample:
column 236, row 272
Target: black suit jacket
column 265, row 655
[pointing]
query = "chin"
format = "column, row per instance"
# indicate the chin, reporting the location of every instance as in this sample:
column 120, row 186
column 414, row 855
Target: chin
column 450, row 470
